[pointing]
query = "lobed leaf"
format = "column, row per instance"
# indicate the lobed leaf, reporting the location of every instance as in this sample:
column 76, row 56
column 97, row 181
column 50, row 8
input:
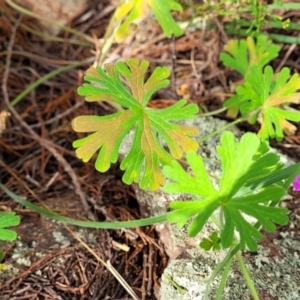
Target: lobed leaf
column 142, row 163
column 242, row 54
column 109, row 133
column 7, row 235
column 133, row 11
column 244, row 164
column 128, row 13
column 255, row 205
column 260, row 93
column 213, row 242
column 8, row 219
column 197, row 183
column 236, row 159
column 161, row 10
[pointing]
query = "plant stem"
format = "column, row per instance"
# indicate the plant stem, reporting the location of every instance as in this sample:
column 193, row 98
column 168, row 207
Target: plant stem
column 108, row 39
column 247, row 276
column 212, row 113
column 274, row 36
column 216, row 221
column 272, row 24
column 283, row 6
column 221, row 129
column 89, row 224
column 218, row 269
column 223, row 280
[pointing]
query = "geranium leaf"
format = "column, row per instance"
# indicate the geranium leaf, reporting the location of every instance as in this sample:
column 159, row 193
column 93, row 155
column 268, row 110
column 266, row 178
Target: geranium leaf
column 133, row 11
column 8, row 219
column 236, row 160
column 161, row 10
column 142, row 163
column 7, row 235
column 244, row 190
column 266, row 96
column 241, row 54
column 206, row 244
column 212, row 242
column 197, row 183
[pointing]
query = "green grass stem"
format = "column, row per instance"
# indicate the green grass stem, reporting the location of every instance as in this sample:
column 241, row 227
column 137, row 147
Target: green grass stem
column 247, row 276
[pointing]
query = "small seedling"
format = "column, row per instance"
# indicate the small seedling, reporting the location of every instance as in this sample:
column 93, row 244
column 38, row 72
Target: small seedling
column 213, row 242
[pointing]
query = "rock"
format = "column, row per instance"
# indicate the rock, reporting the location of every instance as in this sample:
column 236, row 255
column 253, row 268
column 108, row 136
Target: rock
column 61, row 11
column 274, row 278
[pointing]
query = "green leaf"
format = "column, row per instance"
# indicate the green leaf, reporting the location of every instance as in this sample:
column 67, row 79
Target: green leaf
column 8, row 219
column 142, row 163
column 242, row 54
column 197, row 183
column 233, row 106
column 236, row 160
column 262, row 98
column 247, row 188
column 161, row 10
column 206, row 244
column 183, row 211
column 133, row 11
column 213, row 242
column 255, row 205
column 7, row 235
column 126, row 14
column 276, row 177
